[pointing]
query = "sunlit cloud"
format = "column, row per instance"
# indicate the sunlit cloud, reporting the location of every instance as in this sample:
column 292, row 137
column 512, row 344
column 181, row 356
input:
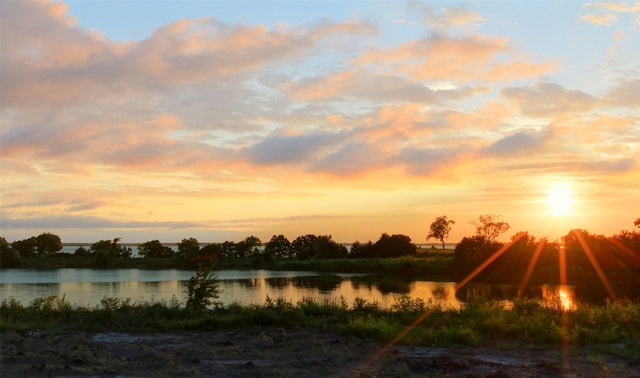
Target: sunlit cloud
column 78, row 66
column 603, row 19
column 206, row 117
column 625, row 94
column 520, row 142
column 546, row 99
column 63, row 222
column 461, row 59
column 446, row 18
column 620, row 6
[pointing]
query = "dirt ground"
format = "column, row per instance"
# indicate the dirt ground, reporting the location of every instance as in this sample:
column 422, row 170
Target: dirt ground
column 276, row 352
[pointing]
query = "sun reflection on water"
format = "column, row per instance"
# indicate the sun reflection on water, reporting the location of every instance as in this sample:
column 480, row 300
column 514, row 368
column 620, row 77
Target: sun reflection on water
column 559, row 297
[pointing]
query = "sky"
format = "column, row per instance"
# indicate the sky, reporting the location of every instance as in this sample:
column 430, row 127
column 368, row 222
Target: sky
column 222, row 119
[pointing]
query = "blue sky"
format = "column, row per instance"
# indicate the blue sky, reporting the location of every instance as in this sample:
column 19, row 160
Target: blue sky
column 218, row 119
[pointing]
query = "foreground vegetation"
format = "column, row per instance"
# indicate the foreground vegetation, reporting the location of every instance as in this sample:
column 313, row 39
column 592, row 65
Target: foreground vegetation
column 527, row 322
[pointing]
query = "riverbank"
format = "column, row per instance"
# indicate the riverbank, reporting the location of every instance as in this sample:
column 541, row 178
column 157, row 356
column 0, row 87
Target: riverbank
column 310, row 338
column 286, row 352
column 435, row 265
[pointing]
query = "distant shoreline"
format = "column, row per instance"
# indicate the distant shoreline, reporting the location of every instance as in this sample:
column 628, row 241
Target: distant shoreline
column 175, row 244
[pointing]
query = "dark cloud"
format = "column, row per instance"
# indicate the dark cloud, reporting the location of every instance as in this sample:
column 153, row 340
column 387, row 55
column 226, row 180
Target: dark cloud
column 91, row 222
column 610, row 166
column 549, row 100
column 351, row 159
column 427, row 161
column 625, row 94
column 284, row 149
column 518, row 143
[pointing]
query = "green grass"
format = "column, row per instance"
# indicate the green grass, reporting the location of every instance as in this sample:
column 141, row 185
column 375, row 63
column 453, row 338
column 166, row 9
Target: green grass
column 612, row 327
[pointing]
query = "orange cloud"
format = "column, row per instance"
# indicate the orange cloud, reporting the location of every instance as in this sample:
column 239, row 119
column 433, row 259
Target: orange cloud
column 460, row 59
column 604, row 19
column 447, row 18
column 320, row 88
column 546, row 99
column 456, row 17
column 616, row 6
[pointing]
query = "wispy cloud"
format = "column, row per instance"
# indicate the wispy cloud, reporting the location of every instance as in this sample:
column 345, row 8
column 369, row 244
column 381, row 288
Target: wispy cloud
column 446, row 18
column 618, row 6
column 86, row 222
column 546, row 99
column 609, row 19
column 602, row 19
column 461, row 59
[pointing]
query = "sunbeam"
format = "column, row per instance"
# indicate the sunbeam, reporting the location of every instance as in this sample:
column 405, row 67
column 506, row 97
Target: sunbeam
column 625, row 249
column 532, row 264
column 596, row 266
column 422, row 317
column 562, row 263
column 488, row 261
column 397, row 339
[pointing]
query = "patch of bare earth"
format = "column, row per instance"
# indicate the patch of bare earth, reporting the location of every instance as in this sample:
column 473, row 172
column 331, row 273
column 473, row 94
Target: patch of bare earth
column 277, row 352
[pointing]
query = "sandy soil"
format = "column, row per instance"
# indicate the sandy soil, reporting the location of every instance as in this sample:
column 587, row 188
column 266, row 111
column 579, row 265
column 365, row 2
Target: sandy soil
column 276, row 352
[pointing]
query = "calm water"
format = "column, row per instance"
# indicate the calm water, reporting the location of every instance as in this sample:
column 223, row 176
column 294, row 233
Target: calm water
column 86, row 287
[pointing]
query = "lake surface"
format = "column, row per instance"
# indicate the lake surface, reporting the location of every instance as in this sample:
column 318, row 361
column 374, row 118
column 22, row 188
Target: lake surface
column 86, row 287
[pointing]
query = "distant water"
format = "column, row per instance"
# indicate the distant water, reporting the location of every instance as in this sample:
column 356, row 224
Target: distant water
column 87, row 287
column 71, row 248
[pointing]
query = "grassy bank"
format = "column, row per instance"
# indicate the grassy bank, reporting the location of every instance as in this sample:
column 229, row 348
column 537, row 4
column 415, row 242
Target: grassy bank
column 527, row 323
column 435, row 266
column 61, row 261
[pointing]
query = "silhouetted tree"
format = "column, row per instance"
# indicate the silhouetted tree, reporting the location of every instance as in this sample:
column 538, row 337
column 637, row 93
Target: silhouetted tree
column 228, row 249
column 303, row 246
column 82, row 251
column 629, row 240
column 440, row 229
column 208, row 254
column 8, row 256
column 48, row 243
column 387, row 246
column 594, row 261
column 25, row 247
column 326, row 248
column 110, row 248
column 512, row 264
column 489, row 227
column 278, row 246
column 248, row 246
column 471, row 252
column 360, row 249
column 154, row 249
column 394, row 246
column 188, row 248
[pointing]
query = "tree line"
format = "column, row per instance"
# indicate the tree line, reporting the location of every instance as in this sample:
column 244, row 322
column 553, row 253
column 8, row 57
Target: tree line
column 308, row 246
column 597, row 265
column 587, row 257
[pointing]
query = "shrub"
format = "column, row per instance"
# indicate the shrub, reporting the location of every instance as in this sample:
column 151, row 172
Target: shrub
column 202, row 288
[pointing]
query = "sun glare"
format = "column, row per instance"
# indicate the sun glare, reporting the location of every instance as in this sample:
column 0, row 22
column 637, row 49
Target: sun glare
column 560, row 199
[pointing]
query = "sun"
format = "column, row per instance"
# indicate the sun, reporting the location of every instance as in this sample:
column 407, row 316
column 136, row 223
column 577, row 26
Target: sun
column 560, row 199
